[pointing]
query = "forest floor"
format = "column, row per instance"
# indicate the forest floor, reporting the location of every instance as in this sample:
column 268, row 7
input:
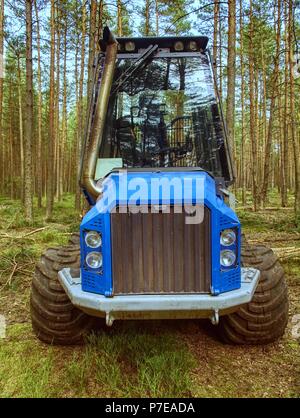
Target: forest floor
column 135, row 359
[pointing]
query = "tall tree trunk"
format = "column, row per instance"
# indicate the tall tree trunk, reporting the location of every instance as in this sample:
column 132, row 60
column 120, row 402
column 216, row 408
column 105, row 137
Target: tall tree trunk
column 119, row 19
column 285, row 119
column 20, row 106
column 51, row 139
column 274, row 94
column 252, row 111
column 216, row 26
column 230, row 104
column 10, row 144
column 64, row 115
column 80, row 107
column 99, row 23
column 220, row 57
column 39, row 111
column 57, row 107
column 242, row 181
column 293, row 116
column 2, row 149
column 147, row 18
column 28, row 131
column 156, row 18
column 92, row 46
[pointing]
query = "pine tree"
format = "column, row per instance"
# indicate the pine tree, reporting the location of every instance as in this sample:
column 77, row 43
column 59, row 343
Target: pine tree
column 51, row 138
column 230, row 102
column 28, row 131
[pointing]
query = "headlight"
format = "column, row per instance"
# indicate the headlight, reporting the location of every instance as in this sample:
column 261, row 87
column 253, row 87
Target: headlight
column 227, row 258
column 94, row 260
column 93, row 239
column 228, row 237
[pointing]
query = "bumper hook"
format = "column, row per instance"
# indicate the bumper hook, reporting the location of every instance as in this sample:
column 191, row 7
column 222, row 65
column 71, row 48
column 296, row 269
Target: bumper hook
column 215, row 317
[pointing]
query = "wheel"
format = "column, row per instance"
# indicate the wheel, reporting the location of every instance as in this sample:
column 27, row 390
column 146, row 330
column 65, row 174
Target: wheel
column 75, row 239
column 264, row 319
column 54, row 319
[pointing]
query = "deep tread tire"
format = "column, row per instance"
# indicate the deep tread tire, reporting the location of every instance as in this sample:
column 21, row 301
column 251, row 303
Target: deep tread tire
column 54, row 319
column 74, row 239
column 264, row 319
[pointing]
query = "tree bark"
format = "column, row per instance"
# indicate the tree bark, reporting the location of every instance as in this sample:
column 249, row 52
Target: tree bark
column 274, row 93
column 92, row 46
column 293, row 116
column 80, row 107
column 252, row 111
column 156, row 18
column 242, row 181
column 64, row 114
column 220, row 58
column 147, row 18
column 1, row 94
column 57, row 108
column 230, row 105
column 216, row 26
column 119, row 19
column 28, row 126
column 51, row 139
column 284, row 199
column 21, row 133
column 39, row 111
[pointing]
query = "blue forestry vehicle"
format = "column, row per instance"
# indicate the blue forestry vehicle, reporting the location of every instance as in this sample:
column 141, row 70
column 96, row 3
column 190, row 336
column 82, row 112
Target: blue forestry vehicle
column 161, row 239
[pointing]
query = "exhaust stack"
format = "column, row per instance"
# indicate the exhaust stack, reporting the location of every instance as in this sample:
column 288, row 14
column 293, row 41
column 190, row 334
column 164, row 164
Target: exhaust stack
column 95, row 134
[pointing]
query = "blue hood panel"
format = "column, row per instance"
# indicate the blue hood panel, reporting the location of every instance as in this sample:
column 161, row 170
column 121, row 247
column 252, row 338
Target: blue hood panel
column 138, row 187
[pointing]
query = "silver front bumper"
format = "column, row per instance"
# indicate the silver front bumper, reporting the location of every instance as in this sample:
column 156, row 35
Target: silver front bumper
column 160, row 306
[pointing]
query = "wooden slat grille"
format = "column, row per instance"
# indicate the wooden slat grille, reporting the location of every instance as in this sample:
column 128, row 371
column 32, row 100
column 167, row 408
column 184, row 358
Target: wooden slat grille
column 158, row 253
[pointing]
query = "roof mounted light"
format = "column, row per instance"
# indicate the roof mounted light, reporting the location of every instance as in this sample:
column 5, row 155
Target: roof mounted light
column 179, row 46
column 193, row 46
column 129, row 46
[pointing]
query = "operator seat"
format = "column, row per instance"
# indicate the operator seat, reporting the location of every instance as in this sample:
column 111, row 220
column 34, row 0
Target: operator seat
column 126, row 141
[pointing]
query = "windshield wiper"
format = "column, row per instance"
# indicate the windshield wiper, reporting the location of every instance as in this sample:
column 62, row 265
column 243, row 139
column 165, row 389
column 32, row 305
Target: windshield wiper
column 138, row 63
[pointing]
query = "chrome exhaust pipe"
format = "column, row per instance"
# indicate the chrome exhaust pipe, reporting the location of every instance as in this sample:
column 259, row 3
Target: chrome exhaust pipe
column 93, row 143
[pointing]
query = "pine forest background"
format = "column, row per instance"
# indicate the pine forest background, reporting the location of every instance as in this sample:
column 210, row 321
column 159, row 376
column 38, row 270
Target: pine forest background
column 49, row 48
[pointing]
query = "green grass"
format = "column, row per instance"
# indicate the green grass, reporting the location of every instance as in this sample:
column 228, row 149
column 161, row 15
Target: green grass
column 64, row 214
column 121, row 363
column 273, row 198
column 125, row 361
column 265, row 222
column 24, row 371
column 280, row 220
column 135, row 358
column 16, row 247
column 145, row 360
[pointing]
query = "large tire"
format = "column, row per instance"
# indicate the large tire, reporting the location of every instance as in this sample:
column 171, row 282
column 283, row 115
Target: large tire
column 264, row 319
column 54, row 319
column 74, row 239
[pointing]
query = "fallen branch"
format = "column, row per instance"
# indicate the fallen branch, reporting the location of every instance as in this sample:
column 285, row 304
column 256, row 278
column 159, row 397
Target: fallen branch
column 270, row 239
column 25, row 235
column 11, row 274
column 35, row 231
column 286, row 252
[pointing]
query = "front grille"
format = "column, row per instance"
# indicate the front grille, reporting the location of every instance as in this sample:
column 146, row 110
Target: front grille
column 157, row 253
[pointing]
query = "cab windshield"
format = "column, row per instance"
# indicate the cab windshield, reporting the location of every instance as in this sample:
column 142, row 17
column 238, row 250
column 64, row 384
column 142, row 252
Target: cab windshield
column 166, row 115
